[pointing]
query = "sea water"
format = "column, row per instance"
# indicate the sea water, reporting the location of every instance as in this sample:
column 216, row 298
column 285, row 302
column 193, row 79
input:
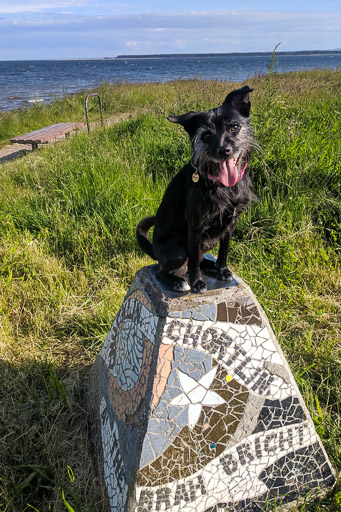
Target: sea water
column 25, row 82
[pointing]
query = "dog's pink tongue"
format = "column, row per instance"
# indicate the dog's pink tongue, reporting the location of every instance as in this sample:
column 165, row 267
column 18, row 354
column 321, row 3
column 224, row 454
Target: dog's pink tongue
column 228, row 172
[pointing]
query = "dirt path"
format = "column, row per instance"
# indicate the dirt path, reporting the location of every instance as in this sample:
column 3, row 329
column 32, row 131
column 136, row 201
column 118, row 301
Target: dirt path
column 12, row 151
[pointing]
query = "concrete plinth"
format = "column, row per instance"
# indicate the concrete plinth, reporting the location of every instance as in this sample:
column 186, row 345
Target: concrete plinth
column 197, row 407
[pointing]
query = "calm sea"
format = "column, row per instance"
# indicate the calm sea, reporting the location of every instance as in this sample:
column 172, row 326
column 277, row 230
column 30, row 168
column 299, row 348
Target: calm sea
column 22, row 83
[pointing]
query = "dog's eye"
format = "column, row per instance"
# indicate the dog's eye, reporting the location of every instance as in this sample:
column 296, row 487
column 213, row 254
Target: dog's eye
column 206, row 136
column 234, row 128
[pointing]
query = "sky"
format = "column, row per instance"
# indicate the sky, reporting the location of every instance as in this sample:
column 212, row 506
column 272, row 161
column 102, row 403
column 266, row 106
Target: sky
column 60, row 29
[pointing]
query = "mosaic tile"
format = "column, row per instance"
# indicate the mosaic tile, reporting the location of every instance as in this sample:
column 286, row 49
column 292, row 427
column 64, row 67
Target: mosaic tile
column 244, row 354
column 198, row 409
column 275, row 413
column 113, row 462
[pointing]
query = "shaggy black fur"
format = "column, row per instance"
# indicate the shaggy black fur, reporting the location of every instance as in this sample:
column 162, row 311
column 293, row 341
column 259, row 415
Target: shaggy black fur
column 202, row 203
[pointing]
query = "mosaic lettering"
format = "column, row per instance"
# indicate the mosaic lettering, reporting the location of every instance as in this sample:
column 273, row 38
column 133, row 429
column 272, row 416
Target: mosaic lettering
column 199, row 411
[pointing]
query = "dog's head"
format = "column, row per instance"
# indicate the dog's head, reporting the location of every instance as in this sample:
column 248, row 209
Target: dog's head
column 222, row 138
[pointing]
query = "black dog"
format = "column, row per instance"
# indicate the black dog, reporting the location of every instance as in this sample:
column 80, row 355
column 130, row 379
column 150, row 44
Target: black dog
column 202, row 203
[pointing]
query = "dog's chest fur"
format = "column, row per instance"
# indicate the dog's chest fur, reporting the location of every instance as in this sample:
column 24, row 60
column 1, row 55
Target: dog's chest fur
column 211, row 208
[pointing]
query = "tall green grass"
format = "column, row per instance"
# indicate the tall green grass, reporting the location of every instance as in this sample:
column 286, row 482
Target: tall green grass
column 68, row 254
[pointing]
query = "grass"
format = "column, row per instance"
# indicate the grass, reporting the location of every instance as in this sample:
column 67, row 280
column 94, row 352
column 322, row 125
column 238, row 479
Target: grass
column 68, row 254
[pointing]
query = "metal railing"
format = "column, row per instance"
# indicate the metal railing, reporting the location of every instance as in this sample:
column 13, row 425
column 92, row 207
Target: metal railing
column 87, row 110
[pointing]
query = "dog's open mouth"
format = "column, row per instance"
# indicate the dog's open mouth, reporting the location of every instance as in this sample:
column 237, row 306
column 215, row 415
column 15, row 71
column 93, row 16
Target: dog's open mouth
column 229, row 173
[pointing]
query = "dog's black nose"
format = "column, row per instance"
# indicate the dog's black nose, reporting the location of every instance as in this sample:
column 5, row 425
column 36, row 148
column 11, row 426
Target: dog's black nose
column 224, row 151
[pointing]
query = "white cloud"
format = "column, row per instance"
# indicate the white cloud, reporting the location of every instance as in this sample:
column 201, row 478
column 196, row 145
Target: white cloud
column 32, row 6
column 225, row 20
column 198, row 32
column 131, row 44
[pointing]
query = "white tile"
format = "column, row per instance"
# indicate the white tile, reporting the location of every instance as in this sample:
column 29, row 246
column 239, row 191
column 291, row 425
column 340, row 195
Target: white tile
column 264, row 333
column 269, row 345
column 194, row 411
column 197, row 394
column 187, row 383
column 212, row 398
column 180, row 400
column 208, row 378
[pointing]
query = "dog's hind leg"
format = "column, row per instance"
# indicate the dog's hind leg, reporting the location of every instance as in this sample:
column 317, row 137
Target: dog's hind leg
column 195, row 253
column 178, row 284
column 172, row 258
column 172, row 276
column 208, row 266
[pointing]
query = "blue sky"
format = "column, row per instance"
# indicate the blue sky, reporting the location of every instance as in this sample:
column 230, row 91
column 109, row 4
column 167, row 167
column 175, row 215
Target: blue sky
column 43, row 29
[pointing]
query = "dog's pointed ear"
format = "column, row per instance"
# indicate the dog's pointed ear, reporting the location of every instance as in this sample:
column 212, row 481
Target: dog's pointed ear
column 188, row 121
column 239, row 99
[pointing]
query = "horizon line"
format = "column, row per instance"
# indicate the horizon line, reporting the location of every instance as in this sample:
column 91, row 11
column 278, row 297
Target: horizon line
column 336, row 51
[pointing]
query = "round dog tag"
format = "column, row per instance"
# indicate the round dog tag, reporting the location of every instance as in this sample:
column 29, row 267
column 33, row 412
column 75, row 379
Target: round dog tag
column 195, row 177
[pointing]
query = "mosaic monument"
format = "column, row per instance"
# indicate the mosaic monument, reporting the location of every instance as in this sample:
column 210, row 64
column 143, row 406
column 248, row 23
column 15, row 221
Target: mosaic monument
column 197, row 408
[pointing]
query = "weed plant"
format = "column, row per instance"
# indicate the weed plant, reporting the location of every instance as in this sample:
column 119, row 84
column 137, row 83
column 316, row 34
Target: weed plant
column 68, row 253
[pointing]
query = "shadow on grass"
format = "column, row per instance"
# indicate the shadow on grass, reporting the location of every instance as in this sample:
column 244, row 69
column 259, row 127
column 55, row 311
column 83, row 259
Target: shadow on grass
column 46, row 458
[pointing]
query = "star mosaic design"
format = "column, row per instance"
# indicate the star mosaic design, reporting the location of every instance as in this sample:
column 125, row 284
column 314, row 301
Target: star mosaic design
column 230, row 437
column 196, row 394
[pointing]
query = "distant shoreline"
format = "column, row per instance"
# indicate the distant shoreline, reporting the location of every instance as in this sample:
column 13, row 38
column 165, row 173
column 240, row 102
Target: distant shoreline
column 206, row 55
column 186, row 55
column 234, row 54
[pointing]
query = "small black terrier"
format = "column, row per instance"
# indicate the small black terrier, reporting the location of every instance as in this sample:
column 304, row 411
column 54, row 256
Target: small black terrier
column 202, row 203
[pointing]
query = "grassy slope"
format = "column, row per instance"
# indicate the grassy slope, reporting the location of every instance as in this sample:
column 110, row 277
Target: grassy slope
column 68, row 253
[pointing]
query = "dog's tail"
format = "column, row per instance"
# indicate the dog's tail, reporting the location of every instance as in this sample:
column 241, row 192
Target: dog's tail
column 142, row 235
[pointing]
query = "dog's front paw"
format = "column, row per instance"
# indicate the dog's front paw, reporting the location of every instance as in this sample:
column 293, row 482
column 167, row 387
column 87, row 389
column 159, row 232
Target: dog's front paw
column 181, row 286
column 198, row 286
column 224, row 274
